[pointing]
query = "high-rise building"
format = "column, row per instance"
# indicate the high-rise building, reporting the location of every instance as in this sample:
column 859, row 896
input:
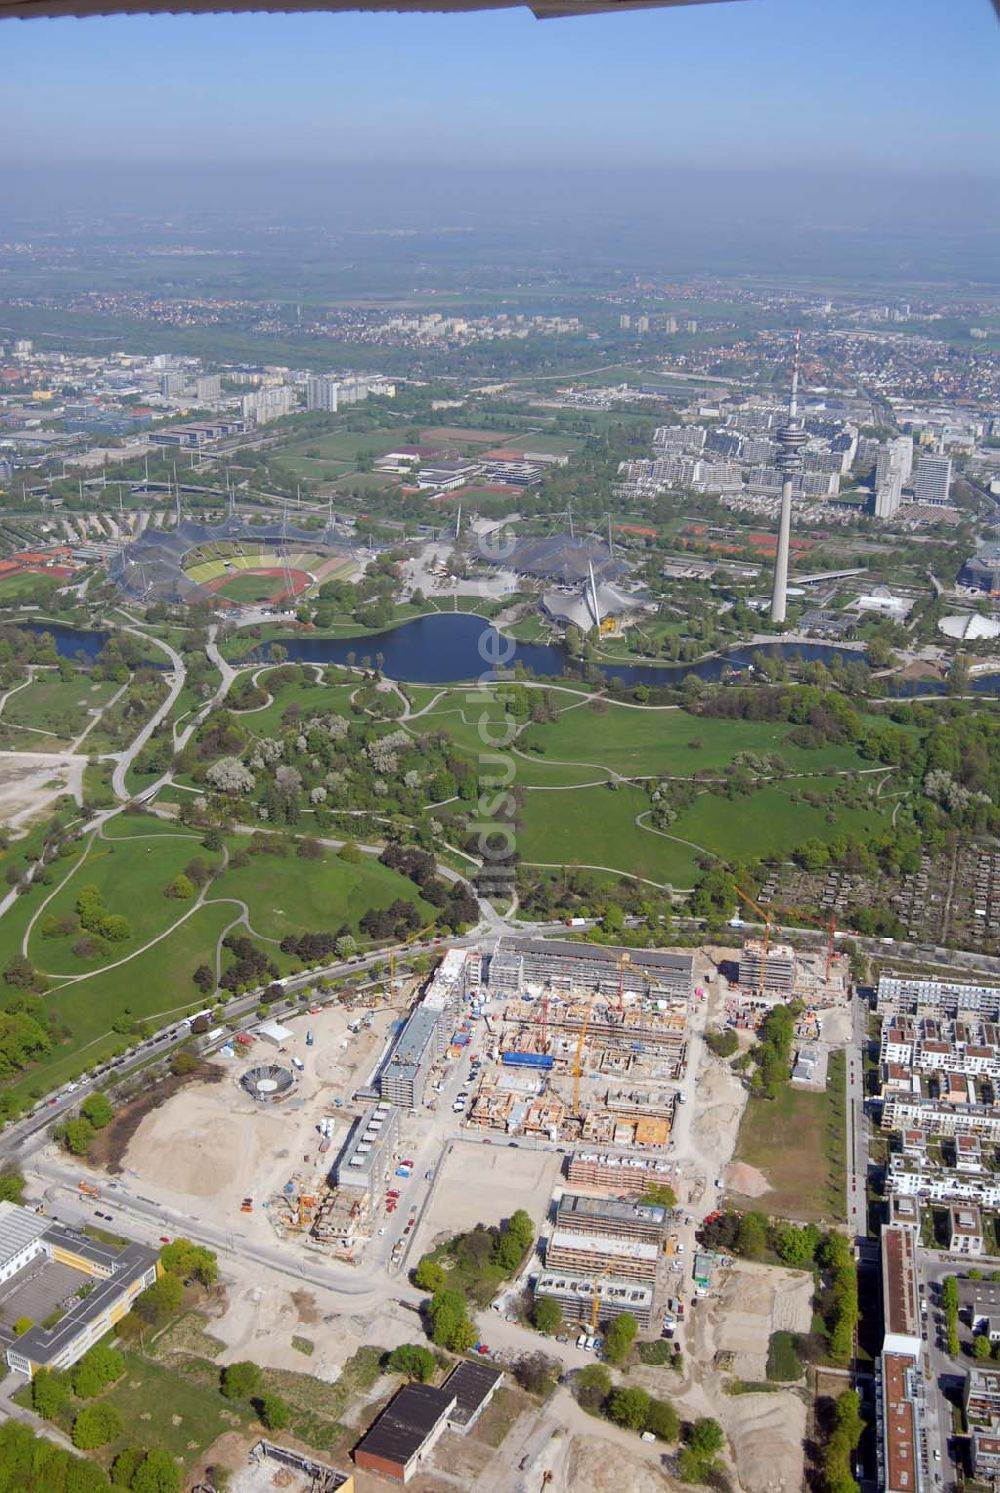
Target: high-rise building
column 322, row 392
column 208, row 388
column 896, row 454
column 933, row 479
column 172, row 385
column 625, row 321
column 792, row 436
column 642, row 325
column 888, row 494
column 670, row 325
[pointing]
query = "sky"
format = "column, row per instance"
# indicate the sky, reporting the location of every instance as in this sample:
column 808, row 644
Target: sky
column 871, row 86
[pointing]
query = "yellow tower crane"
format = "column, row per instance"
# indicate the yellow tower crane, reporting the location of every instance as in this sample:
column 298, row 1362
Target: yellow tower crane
column 578, row 1057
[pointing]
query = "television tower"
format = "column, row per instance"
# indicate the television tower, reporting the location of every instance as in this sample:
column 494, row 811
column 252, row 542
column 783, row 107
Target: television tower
column 791, row 438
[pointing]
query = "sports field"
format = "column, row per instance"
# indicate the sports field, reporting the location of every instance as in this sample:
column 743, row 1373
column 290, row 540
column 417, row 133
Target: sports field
column 249, row 586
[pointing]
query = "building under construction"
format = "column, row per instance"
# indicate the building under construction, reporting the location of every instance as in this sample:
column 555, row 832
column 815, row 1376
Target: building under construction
column 619, row 1172
column 519, row 964
column 767, row 966
column 576, row 1295
column 606, row 1237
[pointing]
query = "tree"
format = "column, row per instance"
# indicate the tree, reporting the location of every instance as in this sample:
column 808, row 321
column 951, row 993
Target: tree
column 536, row 1372
column 447, row 1313
column 78, row 1135
column 981, row 1346
column 660, row 1194
column 619, row 1337
column 273, row 1412
column 662, row 1420
column 515, row 1240
column 429, row 1275
column 100, row 1365
column 240, row 1380
column 795, row 1246
column 547, row 1314
column 182, row 887
column 751, row 1240
column 628, row 1408
column 11, row 1185
column 706, row 1437
column 123, row 1468
column 23, row 1325
column 183, row 1258
column 49, row 1394
column 158, row 1302
column 97, row 1108
column 413, row 1360
column 204, row 978
column 592, row 1386
column 156, row 1473
column 95, row 1426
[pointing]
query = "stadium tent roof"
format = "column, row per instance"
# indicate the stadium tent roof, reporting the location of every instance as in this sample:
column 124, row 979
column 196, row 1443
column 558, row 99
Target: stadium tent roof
column 543, row 9
column 969, row 627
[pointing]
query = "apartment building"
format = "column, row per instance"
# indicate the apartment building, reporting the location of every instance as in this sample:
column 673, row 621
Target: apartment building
column 900, row 1298
column 954, row 998
column 575, row 1296
column 965, row 1225
column 425, row 1036
column 897, row 1400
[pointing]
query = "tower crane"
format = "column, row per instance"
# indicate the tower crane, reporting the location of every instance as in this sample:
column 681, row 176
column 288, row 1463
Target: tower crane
column 595, row 1308
column 578, row 1056
column 769, row 928
column 626, row 958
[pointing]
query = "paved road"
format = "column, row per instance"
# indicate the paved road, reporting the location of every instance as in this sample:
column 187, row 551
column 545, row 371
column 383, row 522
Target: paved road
column 857, row 1125
column 176, row 680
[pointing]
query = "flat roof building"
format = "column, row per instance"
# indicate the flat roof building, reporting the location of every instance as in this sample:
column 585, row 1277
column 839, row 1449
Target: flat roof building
column 901, row 1467
column 900, row 1299
column 619, row 1172
column 405, row 1432
column 965, row 1225
column 115, row 1277
column 901, row 994
column 364, row 1163
column 473, row 1384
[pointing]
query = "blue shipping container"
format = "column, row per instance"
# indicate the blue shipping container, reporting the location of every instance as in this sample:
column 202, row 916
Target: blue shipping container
column 527, row 1060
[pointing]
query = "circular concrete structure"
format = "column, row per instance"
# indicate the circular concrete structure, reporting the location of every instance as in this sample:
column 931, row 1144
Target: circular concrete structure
column 268, row 1083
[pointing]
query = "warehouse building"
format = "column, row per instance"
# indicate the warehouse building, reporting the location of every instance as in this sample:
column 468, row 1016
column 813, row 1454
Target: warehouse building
column 473, row 1384
column 406, row 1432
column 72, row 1260
column 518, row 963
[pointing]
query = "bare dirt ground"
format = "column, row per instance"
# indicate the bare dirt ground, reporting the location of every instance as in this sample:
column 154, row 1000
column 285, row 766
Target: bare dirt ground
column 30, row 782
column 213, row 1145
column 766, row 1430
column 483, row 1184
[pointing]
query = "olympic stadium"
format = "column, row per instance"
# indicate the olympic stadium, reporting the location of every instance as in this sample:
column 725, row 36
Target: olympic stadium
column 232, row 564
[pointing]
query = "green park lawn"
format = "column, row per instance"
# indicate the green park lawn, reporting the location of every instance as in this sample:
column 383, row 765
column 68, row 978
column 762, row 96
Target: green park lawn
column 292, row 895
column 309, row 696
column 668, row 741
column 765, row 823
column 595, row 827
column 132, row 875
column 50, row 706
column 160, row 1407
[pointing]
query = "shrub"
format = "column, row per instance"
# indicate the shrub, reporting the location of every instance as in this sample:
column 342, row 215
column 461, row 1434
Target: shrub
column 628, row 1408
column 95, row 1426
column 49, row 1394
column 619, row 1337
column 273, row 1412
column 240, row 1380
column 414, row 1360
column 547, row 1314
